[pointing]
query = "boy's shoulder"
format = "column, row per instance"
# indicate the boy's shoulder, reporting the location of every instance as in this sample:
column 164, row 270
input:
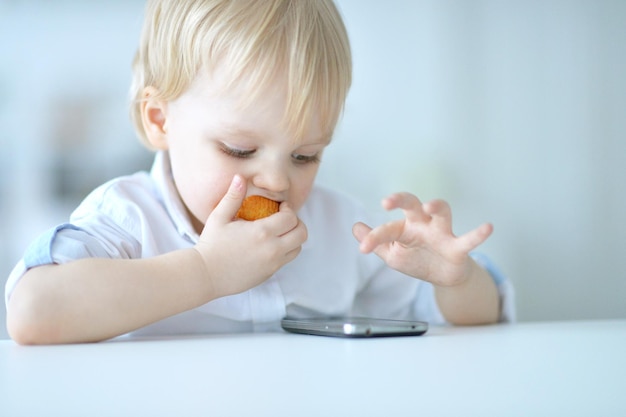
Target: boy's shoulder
column 121, row 197
column 129, row 188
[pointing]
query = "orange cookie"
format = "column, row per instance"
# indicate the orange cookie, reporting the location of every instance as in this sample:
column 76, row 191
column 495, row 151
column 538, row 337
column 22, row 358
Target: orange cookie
column 256, row 207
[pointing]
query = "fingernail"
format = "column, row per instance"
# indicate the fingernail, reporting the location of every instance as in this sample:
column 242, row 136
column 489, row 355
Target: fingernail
column 237, row 182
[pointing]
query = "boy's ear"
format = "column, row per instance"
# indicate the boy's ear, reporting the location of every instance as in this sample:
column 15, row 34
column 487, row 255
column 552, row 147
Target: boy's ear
column 154, row 117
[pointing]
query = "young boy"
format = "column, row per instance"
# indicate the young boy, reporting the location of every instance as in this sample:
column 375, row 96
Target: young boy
column 239, row 98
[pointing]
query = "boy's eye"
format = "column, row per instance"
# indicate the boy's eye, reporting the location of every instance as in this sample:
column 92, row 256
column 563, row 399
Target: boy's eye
column 247, row 153
column 237, row 153
column 306, row 159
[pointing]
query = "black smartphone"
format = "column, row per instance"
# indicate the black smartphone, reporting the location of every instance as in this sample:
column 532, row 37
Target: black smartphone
column 354, row 327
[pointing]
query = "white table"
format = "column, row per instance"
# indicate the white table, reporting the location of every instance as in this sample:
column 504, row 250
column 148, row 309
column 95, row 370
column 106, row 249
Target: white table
column 531, row 369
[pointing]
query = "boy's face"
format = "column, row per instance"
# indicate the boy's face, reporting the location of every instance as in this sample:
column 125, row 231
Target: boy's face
column 211, row 137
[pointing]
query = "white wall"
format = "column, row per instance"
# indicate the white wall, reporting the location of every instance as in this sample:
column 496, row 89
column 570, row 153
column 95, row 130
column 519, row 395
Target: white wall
column 511, row 110
column 514, row 111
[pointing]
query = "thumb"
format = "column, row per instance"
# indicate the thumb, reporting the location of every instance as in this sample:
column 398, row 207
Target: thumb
column 228, row 206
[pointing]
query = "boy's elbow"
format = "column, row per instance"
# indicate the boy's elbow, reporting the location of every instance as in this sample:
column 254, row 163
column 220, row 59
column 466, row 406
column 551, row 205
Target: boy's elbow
column 26, row 323
column 23, row 327
column 21, row 333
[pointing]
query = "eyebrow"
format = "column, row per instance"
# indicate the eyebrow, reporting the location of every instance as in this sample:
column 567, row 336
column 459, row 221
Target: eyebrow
column 237, row 131
column 324, row 139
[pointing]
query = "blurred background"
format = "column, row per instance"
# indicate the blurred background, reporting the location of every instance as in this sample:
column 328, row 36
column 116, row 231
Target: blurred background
column 512, row 110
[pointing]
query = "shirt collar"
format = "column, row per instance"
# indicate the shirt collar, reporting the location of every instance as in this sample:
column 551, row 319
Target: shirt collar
column 162, row 174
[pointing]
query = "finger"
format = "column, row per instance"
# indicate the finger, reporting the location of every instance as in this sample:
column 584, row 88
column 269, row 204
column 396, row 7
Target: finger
column 441, row 214
column 386, row 233
column 282, row 222
column 360, row 230
column 295, row 238
column 409, row 204
column 285, row 207
column 293, row 254
column 471, row 240
column 227, row 208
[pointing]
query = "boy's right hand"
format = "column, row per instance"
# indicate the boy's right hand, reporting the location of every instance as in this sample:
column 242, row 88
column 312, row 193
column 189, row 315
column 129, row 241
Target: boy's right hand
column 239, row 254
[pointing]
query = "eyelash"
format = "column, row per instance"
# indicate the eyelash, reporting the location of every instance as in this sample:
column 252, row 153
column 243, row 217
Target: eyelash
column 304, row 159
column 244, row 154
column 237, row 153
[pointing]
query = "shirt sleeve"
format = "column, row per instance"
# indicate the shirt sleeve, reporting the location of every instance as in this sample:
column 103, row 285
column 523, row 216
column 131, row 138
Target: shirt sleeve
column 65, row 243
column 61, row 244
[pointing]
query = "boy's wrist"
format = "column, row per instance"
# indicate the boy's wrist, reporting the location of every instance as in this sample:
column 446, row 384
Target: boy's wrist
column 190, row 271
column 201, row 273
column 456, row 280
column 473, row 301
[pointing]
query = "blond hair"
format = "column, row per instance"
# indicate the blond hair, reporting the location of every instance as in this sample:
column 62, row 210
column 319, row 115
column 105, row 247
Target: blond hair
column 303, row 41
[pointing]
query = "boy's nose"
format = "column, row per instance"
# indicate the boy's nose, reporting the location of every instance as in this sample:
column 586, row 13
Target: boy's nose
column 271, row 177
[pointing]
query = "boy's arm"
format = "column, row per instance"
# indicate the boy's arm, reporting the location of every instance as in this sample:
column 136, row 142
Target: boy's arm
column 475, row 301
column 95, row 299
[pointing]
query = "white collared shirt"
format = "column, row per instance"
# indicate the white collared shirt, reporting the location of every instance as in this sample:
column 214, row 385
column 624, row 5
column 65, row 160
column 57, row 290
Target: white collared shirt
column 141, row 216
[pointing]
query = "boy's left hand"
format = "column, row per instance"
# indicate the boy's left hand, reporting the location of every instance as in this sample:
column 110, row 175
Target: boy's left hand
column 422, row 245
